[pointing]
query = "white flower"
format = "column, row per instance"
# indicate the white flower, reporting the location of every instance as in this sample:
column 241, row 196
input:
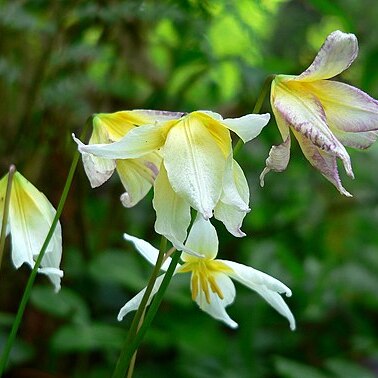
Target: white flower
column 211, row 284
column 30, row 217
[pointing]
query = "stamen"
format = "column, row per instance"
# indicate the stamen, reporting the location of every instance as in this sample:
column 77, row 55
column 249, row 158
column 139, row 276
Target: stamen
column 194, row 286
column 214, row 287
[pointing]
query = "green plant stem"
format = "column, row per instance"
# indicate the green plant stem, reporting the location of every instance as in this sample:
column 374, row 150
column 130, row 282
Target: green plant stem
column 3, row 233
column 122, row 363
column 29, row 284
column 259, row 103
column 153, row 309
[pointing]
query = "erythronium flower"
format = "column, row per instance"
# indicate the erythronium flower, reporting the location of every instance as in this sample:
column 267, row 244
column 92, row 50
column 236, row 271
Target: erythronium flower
column 137, row 175
column 197, row 171
column 323, row 115
column 211, row 284
column 30, row 217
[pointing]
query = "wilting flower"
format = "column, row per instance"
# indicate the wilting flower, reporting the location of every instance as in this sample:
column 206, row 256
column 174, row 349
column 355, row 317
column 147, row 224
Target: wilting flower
column 198, row 170
column 30, row 217
column 137, row 175
column 323, row 115
column 211, row 284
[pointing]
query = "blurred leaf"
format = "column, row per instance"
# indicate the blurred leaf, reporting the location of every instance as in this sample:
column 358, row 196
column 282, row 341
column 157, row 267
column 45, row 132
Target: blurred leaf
column 346, row 369
column 292, row 369
column 65, row 304
column 87, row 337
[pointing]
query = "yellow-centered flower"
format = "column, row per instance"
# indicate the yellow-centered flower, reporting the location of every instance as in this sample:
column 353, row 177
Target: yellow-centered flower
column 211, row 284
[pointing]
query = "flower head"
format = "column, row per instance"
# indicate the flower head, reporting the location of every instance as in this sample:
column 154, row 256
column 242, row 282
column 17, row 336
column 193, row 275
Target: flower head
column 30, row 217
column 211, row 284
column 197, row 168
column 323, row 115
column 137, row 175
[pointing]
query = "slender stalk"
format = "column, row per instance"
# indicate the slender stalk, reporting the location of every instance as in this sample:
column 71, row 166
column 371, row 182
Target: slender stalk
column 12, row 170
column 152, row 310
column 30, row 282
column 123, row 363
column 259, row 103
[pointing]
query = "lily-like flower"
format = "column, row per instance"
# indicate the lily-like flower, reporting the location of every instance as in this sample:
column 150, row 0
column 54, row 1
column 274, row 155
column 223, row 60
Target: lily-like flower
column 198, row 170
column 211, row 284
column 323, row 115
column 137, row 175
column 30, row 217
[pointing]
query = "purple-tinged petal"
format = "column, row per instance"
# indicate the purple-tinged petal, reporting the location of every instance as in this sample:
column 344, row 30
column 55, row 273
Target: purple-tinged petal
column 305, row 114
column 323, row 161
column 335, row 56
column 347, row 108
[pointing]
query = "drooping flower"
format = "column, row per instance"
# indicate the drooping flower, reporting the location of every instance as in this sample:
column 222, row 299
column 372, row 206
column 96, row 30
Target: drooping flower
column 323, row 115
column 137, row 175
column 198, row 170
column 211, row 284
column 30, row 217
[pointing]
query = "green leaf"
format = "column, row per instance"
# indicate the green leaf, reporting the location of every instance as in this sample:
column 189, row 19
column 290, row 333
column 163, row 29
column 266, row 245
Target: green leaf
column 346, row 369
column 292, row 369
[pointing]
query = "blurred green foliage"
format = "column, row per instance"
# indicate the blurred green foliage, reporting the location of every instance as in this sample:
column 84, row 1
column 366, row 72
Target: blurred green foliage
column 61, row 61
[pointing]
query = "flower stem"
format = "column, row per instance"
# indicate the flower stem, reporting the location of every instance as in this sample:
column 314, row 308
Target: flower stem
column 123, row 362
column 152, row 310
column 3, row 234
column 259, row 103
column 30, row 282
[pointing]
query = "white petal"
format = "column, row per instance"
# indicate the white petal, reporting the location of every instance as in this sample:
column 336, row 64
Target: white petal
column 30, row 218
column 172, row 211
column 231, row 217
column 137, row 177
column 98, row 170
column 195, row 164
column 247, row 127
column 268, row 287
column 133, row 303
column 138, row 142
column 216, row 307
column 202, row 238
column 336, row 55
column 149, row 252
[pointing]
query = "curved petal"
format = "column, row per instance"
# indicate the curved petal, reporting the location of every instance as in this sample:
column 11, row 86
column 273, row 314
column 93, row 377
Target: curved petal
column 347, row 108
column 30, row 218
column 172, row 211
column 305, row 114
column 149, row 252
column 202, row 238
column 137, row 177
column 98, row 170
column 268, row 287
column 195, row 164
column 361, row 140
column 216, row 307
column 231, row 217
column 133, row 303
column 335, row 56
column 138, row 142
column 323, row 161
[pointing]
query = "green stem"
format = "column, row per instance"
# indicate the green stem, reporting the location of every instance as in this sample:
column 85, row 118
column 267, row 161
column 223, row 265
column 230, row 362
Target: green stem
column 3, row 234
column 29, row 284
column 153, row 309
column 123, row 363
column 259, row 103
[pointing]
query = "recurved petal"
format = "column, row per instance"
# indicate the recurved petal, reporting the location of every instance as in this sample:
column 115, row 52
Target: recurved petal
column 306, row 116
column 133, row 303
column 30, row 217
column 202, row 238
column 360, row 140
column 98, row 170
column 195, row 164
column 217, row 306
column 335, row 56
column 277, row 160
column 149, row 252
column 138, row 142
column 323, row 161
column 347, row 108
column 137, row 176
column 172, row 211
column 267, row 286
column 231, row 217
